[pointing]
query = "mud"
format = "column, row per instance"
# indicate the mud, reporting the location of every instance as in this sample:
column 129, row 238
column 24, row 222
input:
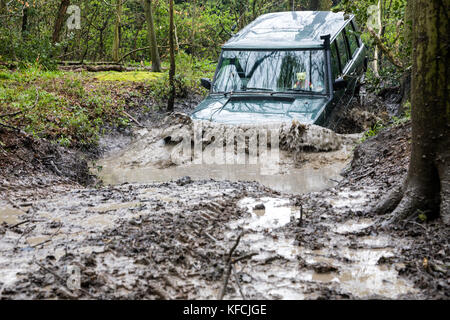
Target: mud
column 141, row 239
column 362, row 112
column 29, row 165
column 159, row 154
column 170, row 240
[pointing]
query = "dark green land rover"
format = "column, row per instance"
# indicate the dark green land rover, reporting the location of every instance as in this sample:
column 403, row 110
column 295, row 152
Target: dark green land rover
column 285, row 66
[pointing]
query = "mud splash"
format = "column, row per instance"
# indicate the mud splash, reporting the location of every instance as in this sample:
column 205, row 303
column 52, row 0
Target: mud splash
column 158, row 155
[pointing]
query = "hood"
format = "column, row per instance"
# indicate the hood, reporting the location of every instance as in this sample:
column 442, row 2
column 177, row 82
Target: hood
column 264, row 109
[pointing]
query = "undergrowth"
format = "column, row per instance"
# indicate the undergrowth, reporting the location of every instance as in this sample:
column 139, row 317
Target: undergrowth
column 395, row 121
column 73, row 108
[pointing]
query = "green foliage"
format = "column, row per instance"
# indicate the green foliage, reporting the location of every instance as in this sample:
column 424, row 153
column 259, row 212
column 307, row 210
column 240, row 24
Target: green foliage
column 406, row 116
column 65, row 112
column 422, row 216
column 395, row 121
column 395, row 25
column 373, row 131
column 187, row 79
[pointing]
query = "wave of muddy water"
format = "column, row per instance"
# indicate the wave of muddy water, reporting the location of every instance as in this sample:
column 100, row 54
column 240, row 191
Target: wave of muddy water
column 142, row 239
column 157, row 155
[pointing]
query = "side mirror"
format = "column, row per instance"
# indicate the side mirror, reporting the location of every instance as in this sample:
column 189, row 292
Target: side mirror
column 206, row 83
column 339, row 84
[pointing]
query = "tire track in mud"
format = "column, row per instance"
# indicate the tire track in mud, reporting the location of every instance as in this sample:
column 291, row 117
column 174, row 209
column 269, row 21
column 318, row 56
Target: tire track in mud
column 170, row 241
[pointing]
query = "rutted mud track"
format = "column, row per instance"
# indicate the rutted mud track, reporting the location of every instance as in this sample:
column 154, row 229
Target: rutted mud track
column 171, row 240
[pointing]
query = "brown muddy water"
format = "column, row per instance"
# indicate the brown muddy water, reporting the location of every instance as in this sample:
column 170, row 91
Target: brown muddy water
column 148, row 229
column 151, row 159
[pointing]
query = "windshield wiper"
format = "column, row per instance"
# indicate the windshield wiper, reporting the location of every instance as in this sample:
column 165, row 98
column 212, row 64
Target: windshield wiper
column 301, row 90
column 261, row 89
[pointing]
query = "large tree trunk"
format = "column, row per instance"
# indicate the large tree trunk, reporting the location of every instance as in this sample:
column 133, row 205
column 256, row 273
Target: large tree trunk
column 427, row 186
column 154, row 53
column 116, row 42
column 60, row 20
column 171, row 102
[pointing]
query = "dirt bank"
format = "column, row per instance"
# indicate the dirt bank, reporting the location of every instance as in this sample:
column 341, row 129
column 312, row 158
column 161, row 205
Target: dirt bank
column 28, row 165
column 33, row 167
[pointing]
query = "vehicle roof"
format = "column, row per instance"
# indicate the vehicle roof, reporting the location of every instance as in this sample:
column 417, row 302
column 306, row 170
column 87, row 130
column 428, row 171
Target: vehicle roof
column 289, row 30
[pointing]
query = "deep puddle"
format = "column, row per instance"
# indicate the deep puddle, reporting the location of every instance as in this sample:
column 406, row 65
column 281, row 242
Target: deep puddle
column 296, row 181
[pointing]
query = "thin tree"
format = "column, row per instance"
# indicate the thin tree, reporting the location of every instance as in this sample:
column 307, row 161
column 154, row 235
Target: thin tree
column 2, row 7
column 25, row 12
column 151, row 35
column 194, row 14
column 426, row 189
column 116, row 41
column 320, row 5
column 171, row 102
column 60, row 20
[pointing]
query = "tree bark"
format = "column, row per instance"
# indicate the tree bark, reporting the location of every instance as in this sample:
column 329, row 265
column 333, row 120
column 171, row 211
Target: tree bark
column 194, row 15
column 427, row 187
column 60, row 20
column 24, row 22
column 2, row 7
column 171, row 102
column 154, row 53
column 116, row 42
column 320, row 5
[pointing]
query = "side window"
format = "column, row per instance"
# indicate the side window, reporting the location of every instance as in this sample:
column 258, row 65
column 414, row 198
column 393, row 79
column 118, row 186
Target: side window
column 335, row 67
column 355, row 28
column 342, row 48
column 352, row 39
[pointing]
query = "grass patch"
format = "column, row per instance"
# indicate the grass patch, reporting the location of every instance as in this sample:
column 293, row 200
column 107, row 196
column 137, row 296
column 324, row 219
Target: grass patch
column 134, row 76
column 63, row 107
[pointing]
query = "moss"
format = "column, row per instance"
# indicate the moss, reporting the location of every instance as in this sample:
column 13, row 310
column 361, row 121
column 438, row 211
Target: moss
column 136, row 76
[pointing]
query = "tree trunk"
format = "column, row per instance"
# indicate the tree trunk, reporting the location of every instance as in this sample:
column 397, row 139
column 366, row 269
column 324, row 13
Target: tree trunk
column 154, row 53
column 376, row 60
column 289, row 5
column 320, row 5
column 314, row 5
column 60, row 20
column 2, row 7
column 194, row 15
column 116, row 42
column 171, row 102
column 427, row 187
column 24, row 22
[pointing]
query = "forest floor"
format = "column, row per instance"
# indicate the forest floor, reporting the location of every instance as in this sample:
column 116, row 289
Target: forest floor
column 173, row 240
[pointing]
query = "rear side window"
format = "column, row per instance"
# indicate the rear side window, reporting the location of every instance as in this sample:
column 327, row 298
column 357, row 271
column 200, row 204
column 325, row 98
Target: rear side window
column 342, row 48
column 335, row 61
column 352, row 39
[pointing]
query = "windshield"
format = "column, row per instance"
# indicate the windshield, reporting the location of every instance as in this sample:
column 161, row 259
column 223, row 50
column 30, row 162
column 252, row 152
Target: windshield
column 272, row 71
